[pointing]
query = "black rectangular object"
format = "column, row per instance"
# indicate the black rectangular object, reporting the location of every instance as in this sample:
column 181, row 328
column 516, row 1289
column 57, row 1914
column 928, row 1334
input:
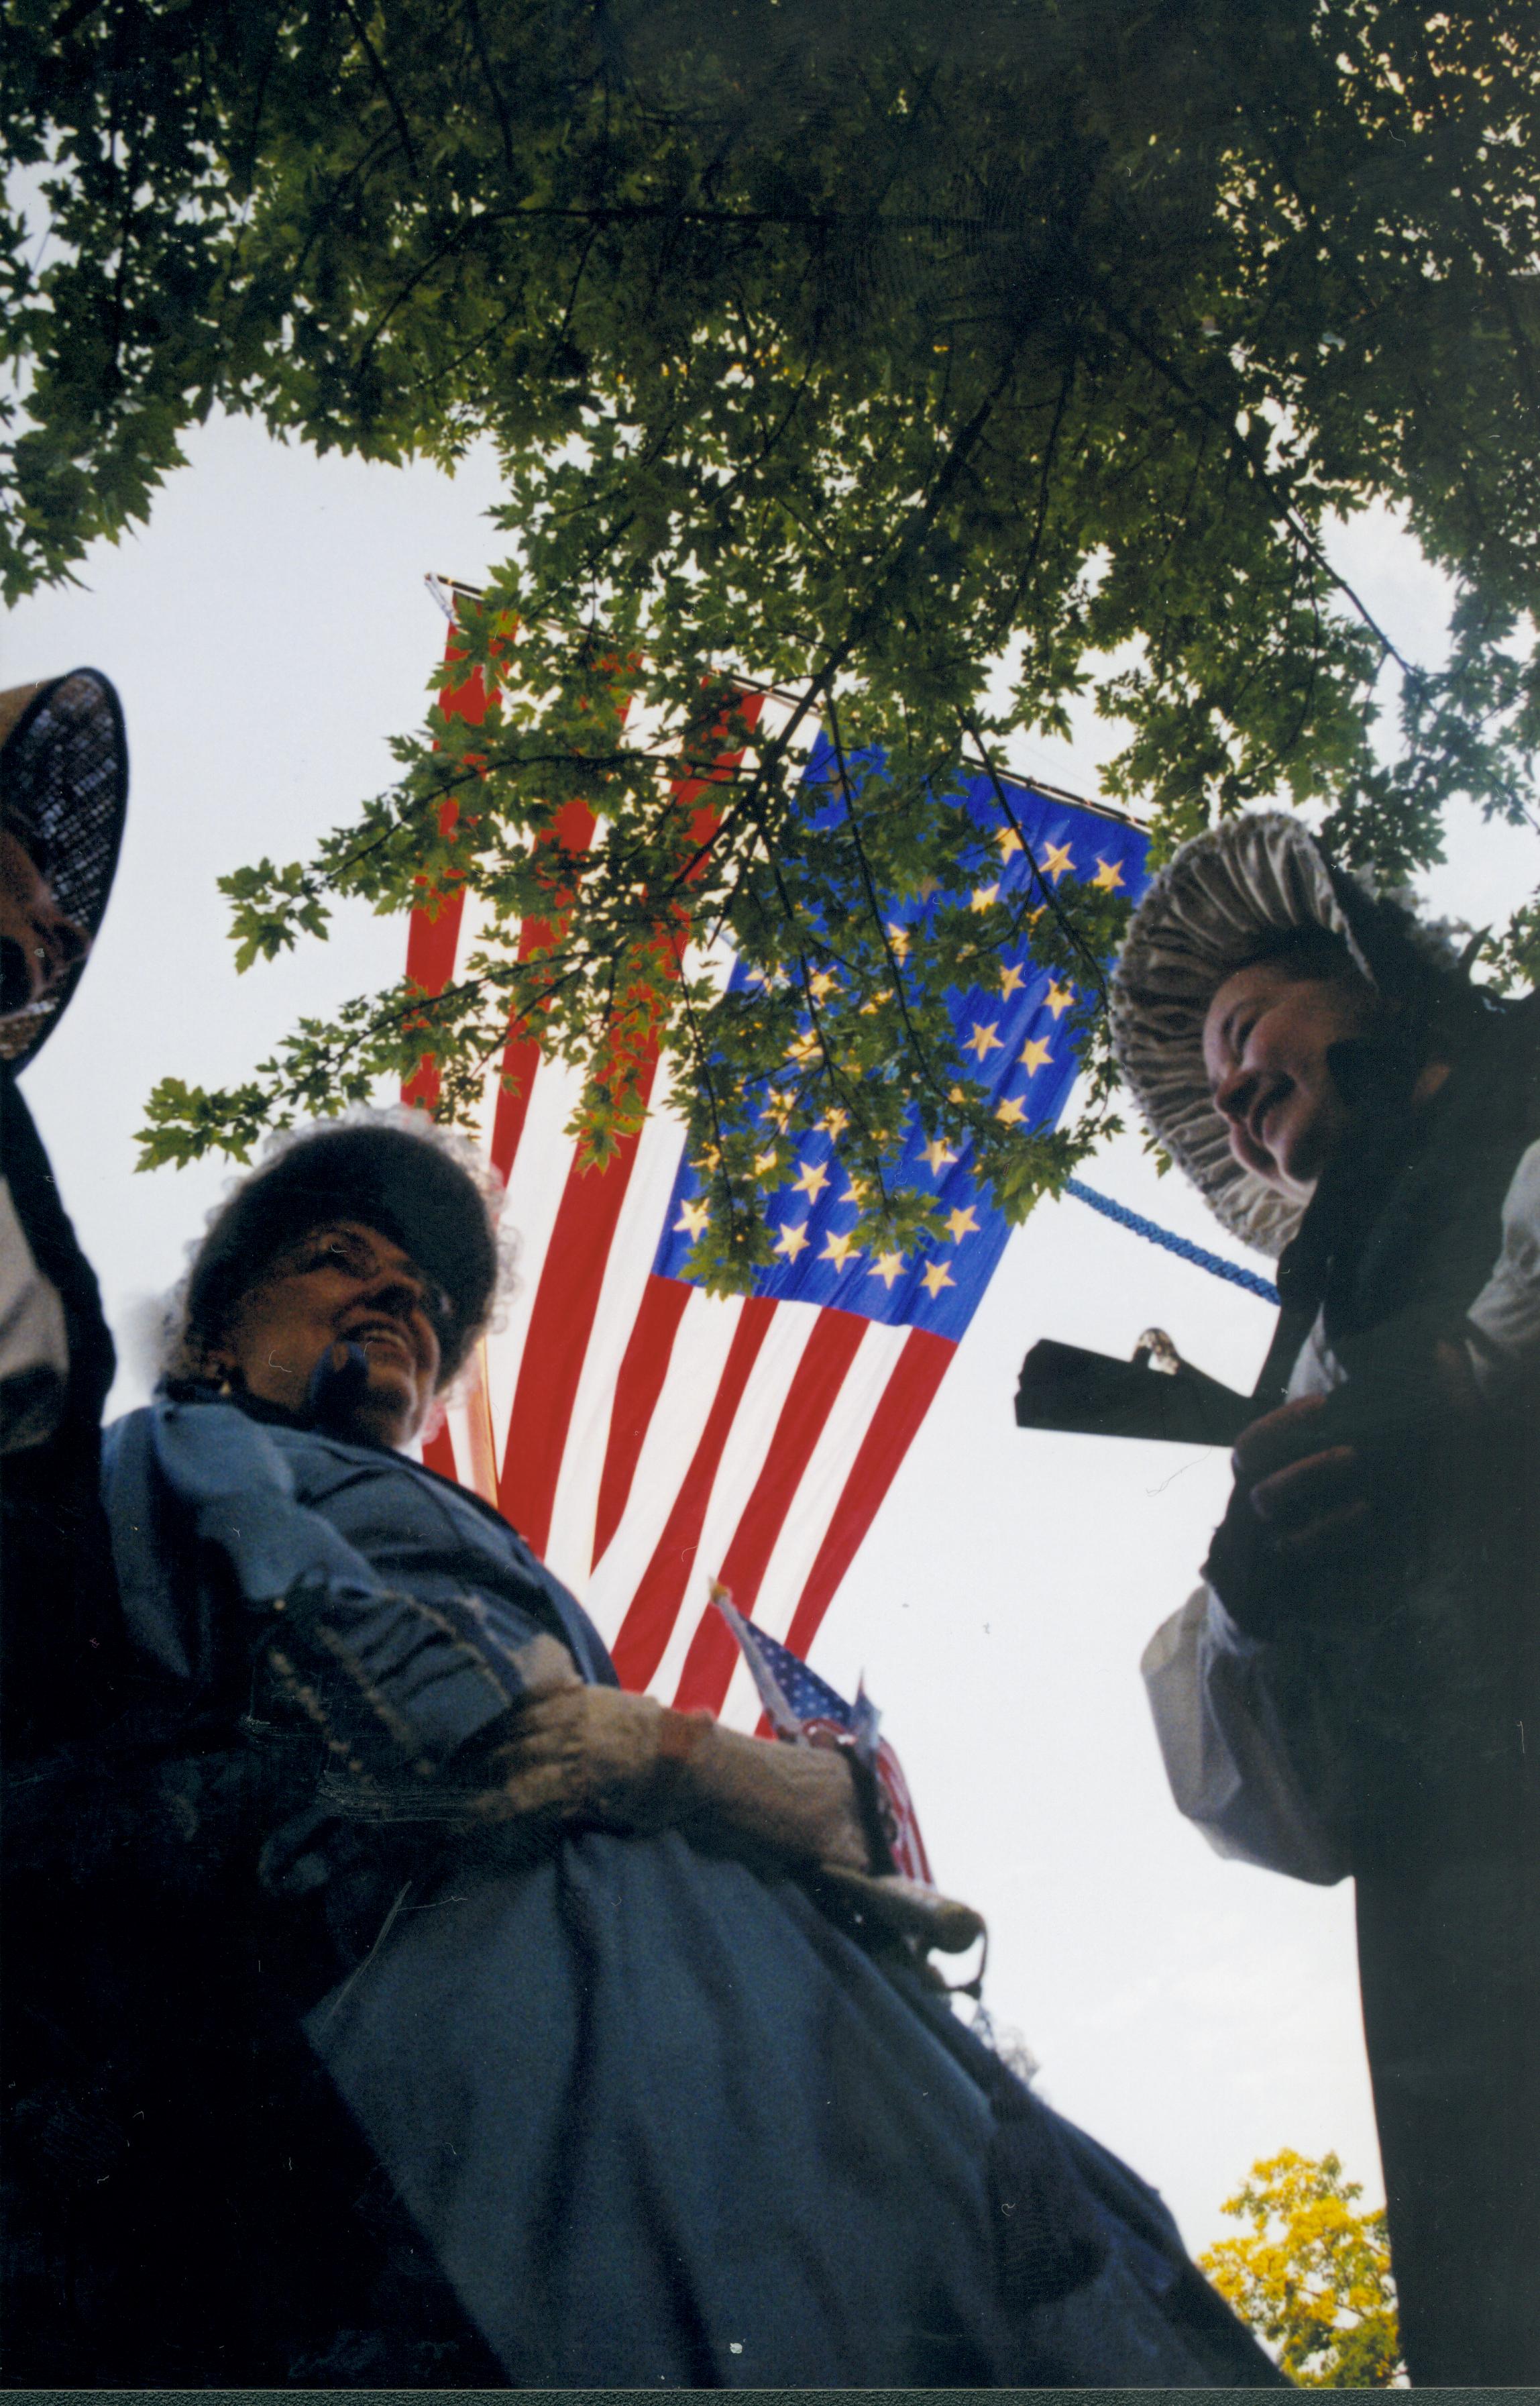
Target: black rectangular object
column 1094, row 1394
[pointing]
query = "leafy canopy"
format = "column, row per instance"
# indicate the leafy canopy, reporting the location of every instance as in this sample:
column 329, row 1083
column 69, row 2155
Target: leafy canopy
column 934, row 365
column 1312, row 2276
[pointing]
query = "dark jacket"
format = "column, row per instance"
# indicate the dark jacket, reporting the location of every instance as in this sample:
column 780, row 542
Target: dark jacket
column 62, row 1659
column 1383, row 1717
column 64, row 1679
column 1407, row 1678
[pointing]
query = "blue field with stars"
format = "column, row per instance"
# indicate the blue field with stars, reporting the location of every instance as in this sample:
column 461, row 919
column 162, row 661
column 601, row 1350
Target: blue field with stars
column 1018, row 1032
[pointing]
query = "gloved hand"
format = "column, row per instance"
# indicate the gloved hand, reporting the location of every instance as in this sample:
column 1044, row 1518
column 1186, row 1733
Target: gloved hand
column 576, row 1753
column 1330, row 1488
column 1308, row 1486
column 1298, row 1517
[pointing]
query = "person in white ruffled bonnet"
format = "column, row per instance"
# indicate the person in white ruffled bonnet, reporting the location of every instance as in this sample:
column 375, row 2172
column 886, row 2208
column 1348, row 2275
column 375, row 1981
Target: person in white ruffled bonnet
column 1355, row 1687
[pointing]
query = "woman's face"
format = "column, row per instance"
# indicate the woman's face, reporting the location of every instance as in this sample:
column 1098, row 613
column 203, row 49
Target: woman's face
column 1264, row 1045
column 343, row 1284
column 38, row 944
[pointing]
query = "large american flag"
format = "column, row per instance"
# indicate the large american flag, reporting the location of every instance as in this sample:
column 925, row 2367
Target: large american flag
column 648, row 1438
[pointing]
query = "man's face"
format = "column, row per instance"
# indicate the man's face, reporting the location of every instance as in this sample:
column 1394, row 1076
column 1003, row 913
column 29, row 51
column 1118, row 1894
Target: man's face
column 344, row 1283
column 38, row 945
column 1264, row 1045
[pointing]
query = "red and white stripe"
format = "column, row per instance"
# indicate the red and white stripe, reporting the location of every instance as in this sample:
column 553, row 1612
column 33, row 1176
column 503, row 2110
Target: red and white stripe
column 645, row 1437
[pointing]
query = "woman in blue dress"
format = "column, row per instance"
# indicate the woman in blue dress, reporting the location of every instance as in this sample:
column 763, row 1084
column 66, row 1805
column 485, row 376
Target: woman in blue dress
column 511, row 2028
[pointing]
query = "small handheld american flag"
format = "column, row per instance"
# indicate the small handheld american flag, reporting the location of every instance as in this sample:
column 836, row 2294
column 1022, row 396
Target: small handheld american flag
column 799, row 1705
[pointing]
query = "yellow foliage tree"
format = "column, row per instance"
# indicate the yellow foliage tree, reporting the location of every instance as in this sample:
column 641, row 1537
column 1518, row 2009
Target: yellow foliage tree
column 1313, row 2275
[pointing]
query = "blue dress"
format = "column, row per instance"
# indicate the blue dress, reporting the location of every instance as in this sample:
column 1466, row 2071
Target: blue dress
column 657, row 2116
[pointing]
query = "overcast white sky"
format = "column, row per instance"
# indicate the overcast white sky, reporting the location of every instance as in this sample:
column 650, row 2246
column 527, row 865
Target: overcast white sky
column 268, row 633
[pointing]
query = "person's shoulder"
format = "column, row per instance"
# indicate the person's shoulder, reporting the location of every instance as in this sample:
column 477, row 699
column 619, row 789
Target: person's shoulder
column 200, row 1443
column 130, row 1433
column 1505, row 1052
column 123, row 1446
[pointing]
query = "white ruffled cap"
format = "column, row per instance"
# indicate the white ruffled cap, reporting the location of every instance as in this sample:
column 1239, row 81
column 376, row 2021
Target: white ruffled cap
column 1204, row 915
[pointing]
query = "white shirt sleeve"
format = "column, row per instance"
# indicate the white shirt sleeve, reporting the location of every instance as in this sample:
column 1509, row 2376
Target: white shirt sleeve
column 1223, row 1747
column 34, row 1343
column 1221, row 1738
column 1505, row 1314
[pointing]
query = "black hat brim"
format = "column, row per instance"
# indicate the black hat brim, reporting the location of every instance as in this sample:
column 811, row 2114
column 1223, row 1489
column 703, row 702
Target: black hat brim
column 63, row 791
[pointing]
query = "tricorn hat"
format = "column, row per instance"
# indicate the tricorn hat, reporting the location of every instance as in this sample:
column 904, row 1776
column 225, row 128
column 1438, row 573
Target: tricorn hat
column 1217, row 905
column 395, row 1172
column 63, row 791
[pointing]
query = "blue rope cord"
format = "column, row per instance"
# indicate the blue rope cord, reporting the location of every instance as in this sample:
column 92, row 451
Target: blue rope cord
column 1179, row 1245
